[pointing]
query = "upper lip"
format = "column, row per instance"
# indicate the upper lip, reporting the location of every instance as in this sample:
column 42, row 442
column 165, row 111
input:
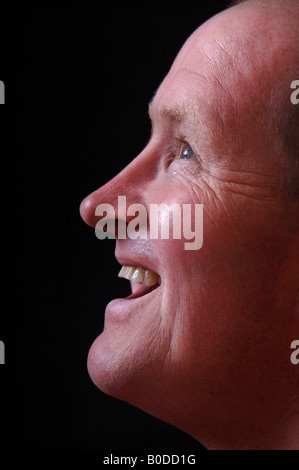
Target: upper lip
column 138, row 259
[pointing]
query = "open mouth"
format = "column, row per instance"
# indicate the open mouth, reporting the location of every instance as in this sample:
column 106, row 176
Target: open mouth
column 143, row 280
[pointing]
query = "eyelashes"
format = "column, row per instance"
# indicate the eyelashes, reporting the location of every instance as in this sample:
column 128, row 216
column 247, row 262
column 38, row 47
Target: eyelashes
column 179, row 150
column 184, row 150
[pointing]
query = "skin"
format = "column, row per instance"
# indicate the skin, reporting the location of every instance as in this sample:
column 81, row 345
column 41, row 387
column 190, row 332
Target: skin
column 209, row 350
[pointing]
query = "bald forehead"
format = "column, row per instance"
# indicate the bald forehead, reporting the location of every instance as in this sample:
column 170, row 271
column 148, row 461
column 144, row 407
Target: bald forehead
column 178, row 98
column 257, row 33
column 185, row 98
column 205, row 88
column 223, row 78
column 242, row 53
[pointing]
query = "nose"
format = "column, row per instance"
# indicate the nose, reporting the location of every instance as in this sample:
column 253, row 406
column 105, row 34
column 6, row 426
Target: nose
column 130, row 182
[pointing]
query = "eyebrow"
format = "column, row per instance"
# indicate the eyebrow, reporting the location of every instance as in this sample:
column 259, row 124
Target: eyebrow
column 196, row 115
column 173, row 113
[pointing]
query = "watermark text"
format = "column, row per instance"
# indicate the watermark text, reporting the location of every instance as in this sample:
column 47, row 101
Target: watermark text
column 2, row 353
column 1, row 92
column 164, row 221
column 295, row 94
column 295, row 354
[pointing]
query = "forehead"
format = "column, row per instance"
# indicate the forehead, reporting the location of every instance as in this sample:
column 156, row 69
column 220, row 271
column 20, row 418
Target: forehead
column 194, row 85
column 193, row 98
column 215, row 77
column 177, row 98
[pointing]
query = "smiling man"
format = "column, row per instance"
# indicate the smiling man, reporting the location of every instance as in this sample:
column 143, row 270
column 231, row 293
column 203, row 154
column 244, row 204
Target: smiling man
column 206, row 345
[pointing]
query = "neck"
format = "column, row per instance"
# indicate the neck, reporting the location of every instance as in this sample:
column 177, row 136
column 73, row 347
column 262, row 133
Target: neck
column 279, row 433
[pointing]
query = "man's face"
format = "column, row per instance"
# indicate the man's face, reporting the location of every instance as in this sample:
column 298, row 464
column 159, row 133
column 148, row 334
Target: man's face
column 194, row 344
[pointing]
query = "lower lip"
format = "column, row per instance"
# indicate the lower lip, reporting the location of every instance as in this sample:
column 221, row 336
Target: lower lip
column 122, row 308
column 141, row 291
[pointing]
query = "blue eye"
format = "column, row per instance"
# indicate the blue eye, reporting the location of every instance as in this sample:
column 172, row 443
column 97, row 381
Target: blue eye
column 185, row 151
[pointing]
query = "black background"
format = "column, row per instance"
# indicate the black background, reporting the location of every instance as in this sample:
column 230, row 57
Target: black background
column 78, row 84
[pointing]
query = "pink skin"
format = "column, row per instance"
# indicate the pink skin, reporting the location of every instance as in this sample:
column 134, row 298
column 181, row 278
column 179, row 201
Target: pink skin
column 209, row 350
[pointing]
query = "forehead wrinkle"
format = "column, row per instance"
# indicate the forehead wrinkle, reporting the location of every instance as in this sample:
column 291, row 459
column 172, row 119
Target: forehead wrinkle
column 183, row 109
column 199, row 116
column 202, row 106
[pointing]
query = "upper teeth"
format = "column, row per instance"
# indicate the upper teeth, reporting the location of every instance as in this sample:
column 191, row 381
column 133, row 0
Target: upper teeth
column 138, row 274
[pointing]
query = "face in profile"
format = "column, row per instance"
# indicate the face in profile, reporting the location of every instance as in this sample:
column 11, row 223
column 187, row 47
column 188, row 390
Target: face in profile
column 206, row 332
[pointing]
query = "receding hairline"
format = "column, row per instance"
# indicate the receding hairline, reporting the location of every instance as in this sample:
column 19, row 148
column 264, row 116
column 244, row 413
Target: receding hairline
column 284, row 117
column 284, row 113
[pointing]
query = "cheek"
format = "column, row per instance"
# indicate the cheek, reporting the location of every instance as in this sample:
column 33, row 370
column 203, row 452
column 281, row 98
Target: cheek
column 218, row 278
column 206, row 235
column 180, row 262
column 224, row 285
column 175, row 213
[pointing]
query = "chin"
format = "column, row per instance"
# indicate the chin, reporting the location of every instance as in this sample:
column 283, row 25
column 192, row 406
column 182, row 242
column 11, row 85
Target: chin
column 103, row 368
